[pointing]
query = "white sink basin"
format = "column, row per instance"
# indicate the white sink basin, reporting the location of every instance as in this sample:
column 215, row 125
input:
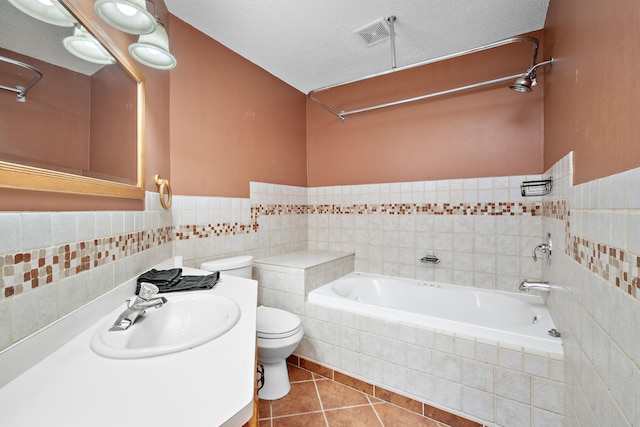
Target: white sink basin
column 185, row 321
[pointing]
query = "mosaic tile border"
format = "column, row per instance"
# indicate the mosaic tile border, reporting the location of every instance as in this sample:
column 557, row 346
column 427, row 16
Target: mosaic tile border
column 29, row 270
column 614, row 265
column 24, row 271
column 480, row 208
column 186, row 232
column 556, row 209
column 620, row 268
column 407, row 403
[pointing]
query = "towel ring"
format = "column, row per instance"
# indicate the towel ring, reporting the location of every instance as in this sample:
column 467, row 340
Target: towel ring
column 164, row 187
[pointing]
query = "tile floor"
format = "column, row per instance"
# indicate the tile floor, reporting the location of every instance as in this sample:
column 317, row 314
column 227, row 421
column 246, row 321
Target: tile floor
column 315, row 400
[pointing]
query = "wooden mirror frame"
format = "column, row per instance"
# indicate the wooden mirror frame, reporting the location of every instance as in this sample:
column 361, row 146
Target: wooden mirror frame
column 17, row 176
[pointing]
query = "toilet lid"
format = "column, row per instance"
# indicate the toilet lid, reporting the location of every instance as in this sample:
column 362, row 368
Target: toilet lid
column 275, row 323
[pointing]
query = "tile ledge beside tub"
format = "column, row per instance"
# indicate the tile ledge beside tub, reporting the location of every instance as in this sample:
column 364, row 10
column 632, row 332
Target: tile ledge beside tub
column 56, row 370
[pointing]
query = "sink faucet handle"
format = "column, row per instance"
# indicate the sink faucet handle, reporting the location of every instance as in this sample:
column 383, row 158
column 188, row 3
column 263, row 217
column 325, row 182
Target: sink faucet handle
column 147, row 291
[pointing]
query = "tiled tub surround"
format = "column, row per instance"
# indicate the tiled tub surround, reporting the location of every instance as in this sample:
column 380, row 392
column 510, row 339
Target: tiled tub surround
column 596, row 304
column 477, row 379
column 482, row 230
column 286, row 279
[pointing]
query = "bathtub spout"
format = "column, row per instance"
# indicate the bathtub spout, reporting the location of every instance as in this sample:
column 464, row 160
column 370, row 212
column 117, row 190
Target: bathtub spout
column 526, row 286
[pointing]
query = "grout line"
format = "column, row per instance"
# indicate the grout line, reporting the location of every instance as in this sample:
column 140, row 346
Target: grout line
column 326, row 421
column 376, row 412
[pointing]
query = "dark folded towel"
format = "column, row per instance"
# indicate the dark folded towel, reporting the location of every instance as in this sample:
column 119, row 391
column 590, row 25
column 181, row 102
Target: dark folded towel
column 193, row 283
column 173, row 280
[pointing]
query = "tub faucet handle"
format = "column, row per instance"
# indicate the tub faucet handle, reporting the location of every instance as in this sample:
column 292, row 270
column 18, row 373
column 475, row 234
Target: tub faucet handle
column 544, row 248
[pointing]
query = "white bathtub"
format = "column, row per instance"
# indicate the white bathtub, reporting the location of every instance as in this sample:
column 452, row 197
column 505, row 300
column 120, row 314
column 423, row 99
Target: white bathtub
column 520, row 320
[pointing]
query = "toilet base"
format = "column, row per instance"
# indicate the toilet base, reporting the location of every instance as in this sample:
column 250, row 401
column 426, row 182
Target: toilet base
column 276, row 381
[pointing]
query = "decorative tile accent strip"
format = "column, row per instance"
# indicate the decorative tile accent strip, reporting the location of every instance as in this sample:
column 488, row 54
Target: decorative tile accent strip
column 24, row 271
column 486, row 208
column 407, row 403
column 614, row 265
column 559, row 209
column 556, row 209
column 199, row 231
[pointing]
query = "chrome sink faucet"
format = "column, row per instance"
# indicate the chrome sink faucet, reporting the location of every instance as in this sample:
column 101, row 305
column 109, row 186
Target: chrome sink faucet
column 144, row 300
column 526, row 286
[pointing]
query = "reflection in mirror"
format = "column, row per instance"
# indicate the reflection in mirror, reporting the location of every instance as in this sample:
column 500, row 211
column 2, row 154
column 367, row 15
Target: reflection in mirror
column 79, row 123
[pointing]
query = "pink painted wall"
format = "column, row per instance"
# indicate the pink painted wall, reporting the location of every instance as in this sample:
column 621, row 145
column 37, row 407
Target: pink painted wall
column 231, row 121
column 488, row 132
column 217, row 121
column 113, row 126
column 51, row 129
column 591, row 104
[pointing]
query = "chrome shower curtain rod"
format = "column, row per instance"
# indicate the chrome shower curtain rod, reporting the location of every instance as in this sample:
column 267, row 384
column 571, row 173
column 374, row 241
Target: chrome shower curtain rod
column 519, row 39
column 21, row 90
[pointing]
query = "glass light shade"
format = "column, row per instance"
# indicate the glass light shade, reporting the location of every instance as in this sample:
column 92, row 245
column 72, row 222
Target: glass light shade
column 85, row 46
column 49, row 11
column 130, row 16
column 152, row 50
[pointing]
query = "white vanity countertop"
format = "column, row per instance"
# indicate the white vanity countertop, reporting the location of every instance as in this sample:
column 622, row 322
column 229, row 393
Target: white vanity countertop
column 209, row 385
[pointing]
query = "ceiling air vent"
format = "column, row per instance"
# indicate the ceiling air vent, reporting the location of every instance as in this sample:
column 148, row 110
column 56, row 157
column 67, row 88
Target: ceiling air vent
column 374, row 32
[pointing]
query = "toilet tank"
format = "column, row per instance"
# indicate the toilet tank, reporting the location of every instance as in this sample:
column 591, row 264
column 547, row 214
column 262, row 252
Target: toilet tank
column 235, row 266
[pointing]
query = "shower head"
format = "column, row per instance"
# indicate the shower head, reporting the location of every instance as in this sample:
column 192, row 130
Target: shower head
column 524, row 83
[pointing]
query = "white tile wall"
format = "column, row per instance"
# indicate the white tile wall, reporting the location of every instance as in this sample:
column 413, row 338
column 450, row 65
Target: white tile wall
column 42, row 233
column 492, row 252
column 599, row 321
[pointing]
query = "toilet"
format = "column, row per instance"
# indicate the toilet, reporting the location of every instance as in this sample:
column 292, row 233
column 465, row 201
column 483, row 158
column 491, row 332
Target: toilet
column 279, row 332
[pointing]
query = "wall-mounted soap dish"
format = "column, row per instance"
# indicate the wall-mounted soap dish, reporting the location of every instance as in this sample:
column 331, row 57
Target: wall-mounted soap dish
column 536, row 188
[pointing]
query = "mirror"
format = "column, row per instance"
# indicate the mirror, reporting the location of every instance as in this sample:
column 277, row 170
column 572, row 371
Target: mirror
column 79, row 128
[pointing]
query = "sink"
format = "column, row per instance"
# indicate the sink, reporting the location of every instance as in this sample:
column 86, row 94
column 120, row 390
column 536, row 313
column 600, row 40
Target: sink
column 184, row 322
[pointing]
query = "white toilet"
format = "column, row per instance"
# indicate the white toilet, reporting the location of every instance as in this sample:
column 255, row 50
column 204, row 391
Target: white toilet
column 279, row 332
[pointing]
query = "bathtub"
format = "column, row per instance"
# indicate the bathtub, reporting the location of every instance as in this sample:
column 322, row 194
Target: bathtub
column 510, row 319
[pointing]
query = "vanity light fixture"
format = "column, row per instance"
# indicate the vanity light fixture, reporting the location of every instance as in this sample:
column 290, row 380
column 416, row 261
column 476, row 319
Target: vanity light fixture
column 83, row 45
column 130, row 16
column 49, row 11
column 152, row 49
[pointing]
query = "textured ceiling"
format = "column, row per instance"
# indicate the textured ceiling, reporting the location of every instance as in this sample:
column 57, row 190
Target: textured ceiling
column 311, row 44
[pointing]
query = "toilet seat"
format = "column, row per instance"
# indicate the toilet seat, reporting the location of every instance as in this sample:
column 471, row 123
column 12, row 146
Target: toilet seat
column 273, row 323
